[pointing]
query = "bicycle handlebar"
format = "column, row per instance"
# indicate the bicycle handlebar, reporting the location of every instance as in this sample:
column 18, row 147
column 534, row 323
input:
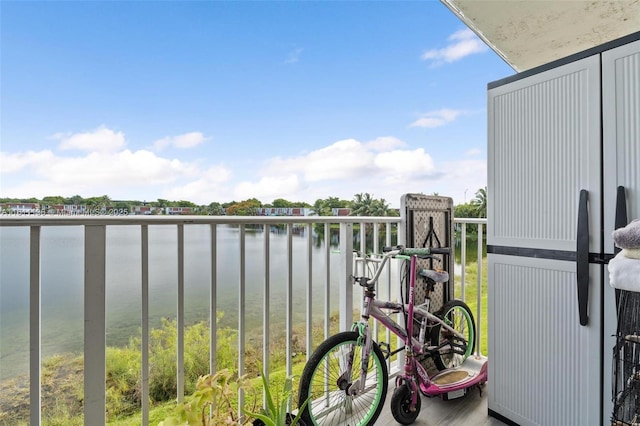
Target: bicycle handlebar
column 399, row 250
column 417, row 251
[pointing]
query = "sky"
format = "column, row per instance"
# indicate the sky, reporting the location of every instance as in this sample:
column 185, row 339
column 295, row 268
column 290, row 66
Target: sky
column 219, row 101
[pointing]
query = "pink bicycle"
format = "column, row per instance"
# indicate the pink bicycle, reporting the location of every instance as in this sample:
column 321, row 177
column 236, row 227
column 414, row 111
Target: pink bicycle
column 346, row 377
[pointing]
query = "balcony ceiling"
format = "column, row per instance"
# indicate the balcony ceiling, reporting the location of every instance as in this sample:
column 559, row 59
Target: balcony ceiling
column 529, row 33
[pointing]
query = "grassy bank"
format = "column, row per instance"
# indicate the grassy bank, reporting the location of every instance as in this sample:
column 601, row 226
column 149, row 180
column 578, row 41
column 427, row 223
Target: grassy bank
column 471, row 298
column 63, row 375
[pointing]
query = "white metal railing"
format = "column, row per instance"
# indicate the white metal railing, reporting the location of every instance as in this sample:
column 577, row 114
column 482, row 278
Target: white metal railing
column 480, row 222
column 95, row 290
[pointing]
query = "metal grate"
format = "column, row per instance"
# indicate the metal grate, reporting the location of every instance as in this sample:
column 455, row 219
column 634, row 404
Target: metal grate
column 626, row 362
column 429, row 223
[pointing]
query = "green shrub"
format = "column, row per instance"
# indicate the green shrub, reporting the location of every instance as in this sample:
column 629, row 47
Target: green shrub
column 276, row 412
column 212, row 403
column 123, row 381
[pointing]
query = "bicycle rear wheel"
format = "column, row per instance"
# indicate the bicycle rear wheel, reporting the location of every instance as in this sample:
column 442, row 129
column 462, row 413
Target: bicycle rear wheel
column 324, row 383
column 453, row 349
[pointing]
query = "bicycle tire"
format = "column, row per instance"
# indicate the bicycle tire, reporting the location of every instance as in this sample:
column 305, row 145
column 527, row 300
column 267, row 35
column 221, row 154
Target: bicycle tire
column 457, row 314
column 329, row 403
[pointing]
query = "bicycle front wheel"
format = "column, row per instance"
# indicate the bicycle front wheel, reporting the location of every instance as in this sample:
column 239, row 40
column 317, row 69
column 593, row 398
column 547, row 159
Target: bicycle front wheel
column 326, row 384
column 453, row 349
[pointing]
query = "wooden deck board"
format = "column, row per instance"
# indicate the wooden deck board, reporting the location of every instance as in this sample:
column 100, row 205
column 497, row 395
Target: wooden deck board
column 469, row 410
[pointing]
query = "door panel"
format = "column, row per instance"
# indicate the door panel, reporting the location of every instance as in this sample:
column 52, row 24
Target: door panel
column 544, row 147
column 621, row 131
column 545, row 367
column 621, row 127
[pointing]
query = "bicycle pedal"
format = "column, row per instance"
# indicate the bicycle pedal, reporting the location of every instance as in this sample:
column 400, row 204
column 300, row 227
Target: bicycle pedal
column 385, row 348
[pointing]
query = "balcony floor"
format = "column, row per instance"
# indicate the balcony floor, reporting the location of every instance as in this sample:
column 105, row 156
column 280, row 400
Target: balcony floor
column 468, row 410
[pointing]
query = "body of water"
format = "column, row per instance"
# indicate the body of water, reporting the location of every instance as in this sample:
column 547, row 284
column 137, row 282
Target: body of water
column 62, row 277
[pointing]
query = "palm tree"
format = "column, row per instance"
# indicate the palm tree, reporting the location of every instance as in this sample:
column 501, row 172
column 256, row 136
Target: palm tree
column 362, row 205
column 480, row 202
column 380, row 208
column 321, row 208
column 366, row 205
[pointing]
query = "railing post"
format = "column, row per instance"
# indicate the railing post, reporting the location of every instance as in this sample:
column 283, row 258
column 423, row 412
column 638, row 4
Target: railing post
column 94, row 325
column 289, row 302
column 346, row 271
column 309, row 328
column 35, row 338
column 213, row 301
column 241, row 314
column 463, row 258
column 479, row 306
column 144, row 236
column 388, row 243
column 375, row 250
column 266, row 309
column 327, row 282
column 180, row 315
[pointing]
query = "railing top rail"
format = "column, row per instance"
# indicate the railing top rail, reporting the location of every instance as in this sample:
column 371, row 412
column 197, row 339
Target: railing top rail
column 81, row 220
column 470, row 220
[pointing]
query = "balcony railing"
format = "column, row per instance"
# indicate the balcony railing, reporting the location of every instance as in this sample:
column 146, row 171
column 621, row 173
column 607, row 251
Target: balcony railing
column 95, row 287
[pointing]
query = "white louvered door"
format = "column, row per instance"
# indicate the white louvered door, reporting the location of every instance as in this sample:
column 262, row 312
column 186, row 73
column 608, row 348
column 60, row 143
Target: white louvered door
column 621, row 133
column 544, row 149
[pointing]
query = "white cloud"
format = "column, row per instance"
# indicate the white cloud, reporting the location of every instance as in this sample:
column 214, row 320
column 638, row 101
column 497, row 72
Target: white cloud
column 348, row 167
column 343, row 169
column 121, row 173
column 118, row 168
column 341, row 160
column 187, row 140
column 385, row 143
column 102, row 140
column 269, row 188
column 461, row 44
column 351, row 160
column 437, row 118
column 211, row 185
column 473, row 152
column 294, row 56
column 400, row 165
column 384, row 167
column 464, row 175
column 12, row 163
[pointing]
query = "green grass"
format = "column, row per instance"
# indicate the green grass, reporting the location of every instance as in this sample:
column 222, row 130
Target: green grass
column 471, row 299
column 157, row 414
column 63, row 376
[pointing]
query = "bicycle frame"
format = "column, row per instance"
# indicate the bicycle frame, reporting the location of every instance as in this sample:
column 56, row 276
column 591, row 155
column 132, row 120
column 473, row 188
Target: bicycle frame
column 374, row 308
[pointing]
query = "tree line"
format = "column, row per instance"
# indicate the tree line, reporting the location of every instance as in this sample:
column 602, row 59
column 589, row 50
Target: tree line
column 362, row 204
column 477, row 207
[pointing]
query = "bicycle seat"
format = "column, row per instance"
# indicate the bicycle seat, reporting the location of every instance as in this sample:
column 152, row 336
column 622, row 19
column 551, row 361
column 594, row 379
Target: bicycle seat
column 437, row 276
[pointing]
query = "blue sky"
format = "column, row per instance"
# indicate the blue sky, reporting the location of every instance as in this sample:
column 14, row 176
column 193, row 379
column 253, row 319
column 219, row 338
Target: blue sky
column 219, row 101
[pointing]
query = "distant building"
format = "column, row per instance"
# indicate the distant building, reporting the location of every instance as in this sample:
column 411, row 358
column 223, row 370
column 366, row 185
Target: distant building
column 145, row 210
column 55, row 209
column 282, row 211
column 74, row 209
column 22, row 208
column 341, row 211
column 178, row 210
